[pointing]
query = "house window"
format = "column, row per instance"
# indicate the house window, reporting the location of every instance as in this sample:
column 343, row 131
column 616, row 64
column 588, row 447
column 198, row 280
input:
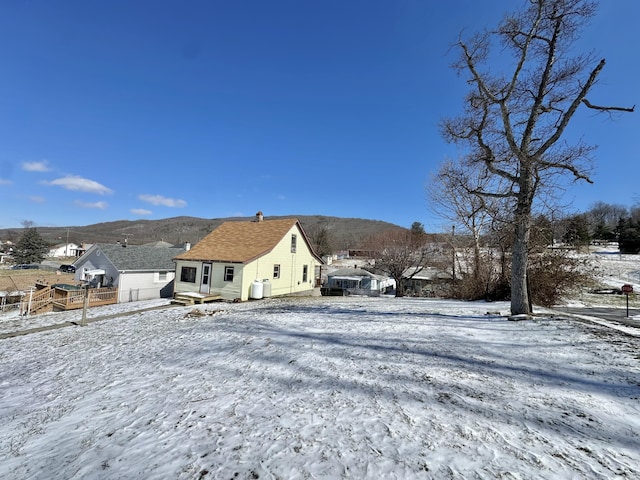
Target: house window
column 188, row 274
column 276, row 271
column 228, row 274
column 162, row 276
column 294, row 239
column 305, row 273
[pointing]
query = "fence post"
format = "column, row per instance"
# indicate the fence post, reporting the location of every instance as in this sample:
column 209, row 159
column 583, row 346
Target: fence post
column 85, row 305
column 30, row 298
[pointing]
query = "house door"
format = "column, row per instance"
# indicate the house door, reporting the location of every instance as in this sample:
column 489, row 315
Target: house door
column 205, row 284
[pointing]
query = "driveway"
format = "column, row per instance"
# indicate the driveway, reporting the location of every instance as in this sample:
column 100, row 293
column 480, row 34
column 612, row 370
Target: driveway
column 609, row 314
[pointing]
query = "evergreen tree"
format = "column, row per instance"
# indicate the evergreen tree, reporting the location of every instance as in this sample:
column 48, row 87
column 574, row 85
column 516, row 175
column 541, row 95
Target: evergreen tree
column 577, row 233
column 417, row 229
column 603, row 232
column 31, row 248
column 629, row 235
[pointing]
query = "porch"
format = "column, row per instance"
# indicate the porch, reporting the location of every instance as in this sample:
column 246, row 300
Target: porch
column 191, row 298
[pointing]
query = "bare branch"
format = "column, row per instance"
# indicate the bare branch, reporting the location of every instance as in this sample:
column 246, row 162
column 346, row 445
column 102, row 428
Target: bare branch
column 608, row 109
column 570, row 168
column 568, row 115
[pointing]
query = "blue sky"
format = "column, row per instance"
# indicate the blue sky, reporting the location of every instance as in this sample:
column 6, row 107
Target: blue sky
column 114, row 110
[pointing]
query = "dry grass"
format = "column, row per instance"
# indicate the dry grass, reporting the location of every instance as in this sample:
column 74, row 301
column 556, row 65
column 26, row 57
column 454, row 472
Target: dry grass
column 12, row 280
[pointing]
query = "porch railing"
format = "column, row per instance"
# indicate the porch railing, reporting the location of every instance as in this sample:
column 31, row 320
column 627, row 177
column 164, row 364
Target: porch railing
column 74, row 299
column 38, row 301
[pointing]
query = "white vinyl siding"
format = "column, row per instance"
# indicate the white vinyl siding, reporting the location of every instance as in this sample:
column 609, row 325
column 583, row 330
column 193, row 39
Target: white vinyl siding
column 218, row 286
column 135, row 286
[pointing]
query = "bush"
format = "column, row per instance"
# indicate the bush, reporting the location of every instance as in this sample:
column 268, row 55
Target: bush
column 554, row 274
column 485, row 282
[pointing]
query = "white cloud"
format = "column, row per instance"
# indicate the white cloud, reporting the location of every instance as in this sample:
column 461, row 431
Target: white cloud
column 73, row 182
column 99, row 205
column 140, row 211
column 5, row 182
column 37, row 199
column 42, row 166
column 160, row 200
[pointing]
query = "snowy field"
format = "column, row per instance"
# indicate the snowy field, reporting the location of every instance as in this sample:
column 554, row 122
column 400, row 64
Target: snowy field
column 333, row 387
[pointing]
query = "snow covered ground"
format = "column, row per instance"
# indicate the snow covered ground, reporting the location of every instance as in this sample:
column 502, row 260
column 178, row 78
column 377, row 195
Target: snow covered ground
column 333, row 387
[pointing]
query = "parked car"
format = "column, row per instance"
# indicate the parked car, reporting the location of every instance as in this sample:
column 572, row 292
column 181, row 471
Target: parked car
column 25, row 266
column 68, row 268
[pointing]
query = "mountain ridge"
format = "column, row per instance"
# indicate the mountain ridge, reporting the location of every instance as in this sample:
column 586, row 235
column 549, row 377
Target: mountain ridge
column 345, row 233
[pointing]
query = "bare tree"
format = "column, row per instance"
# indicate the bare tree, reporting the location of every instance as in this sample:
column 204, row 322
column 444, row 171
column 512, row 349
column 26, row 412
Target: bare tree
column 452, row 194
column 321, row 239
column 606, row 213
column 513, row 121
column 603, row 219
column 399, row 253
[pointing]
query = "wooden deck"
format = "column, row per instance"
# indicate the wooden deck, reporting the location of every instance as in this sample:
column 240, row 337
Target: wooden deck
column 191, row 298
column 74, row 299
column 49, row 298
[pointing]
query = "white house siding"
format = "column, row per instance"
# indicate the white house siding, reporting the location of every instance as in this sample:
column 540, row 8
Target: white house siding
column 135, row 286
column 63, row 250
column 188, row 286
column 95, row 260
column 229, row 290
column 218, row 286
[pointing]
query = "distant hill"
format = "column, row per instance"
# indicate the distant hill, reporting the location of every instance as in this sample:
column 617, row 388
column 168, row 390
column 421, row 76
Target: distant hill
column 345, row 233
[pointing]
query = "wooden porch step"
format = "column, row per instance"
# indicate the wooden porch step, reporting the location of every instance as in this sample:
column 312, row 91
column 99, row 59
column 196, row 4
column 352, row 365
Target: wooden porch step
column 179, row 301
column 191, row 298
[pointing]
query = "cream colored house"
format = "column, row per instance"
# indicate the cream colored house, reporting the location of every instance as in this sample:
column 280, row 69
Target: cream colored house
column 249, row 259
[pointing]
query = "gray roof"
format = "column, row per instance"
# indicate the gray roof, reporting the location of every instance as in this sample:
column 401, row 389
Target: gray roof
column 159, row 244
column 352, row 272
column 140, row 257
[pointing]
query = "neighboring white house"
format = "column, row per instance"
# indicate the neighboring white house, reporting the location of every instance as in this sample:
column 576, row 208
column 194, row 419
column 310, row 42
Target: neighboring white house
column 426, row 282
column 6, row 251
column 64, row 250
column 140, row 272
column 249, row 259
column 356, row 281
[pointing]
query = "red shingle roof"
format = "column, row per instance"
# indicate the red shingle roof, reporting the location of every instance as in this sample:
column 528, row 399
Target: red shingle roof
column 240, row 242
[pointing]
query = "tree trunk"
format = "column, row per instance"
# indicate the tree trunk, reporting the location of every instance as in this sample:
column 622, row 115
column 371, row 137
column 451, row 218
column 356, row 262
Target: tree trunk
column 476, row 256
column 519, row 290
